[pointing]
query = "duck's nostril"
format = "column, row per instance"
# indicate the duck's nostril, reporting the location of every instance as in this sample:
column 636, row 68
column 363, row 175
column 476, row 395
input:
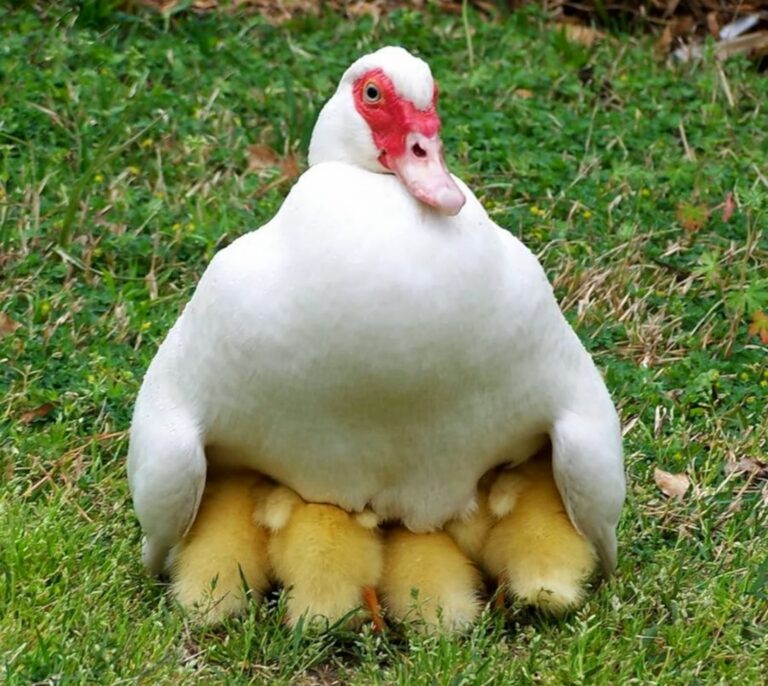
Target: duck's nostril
column 418, row 150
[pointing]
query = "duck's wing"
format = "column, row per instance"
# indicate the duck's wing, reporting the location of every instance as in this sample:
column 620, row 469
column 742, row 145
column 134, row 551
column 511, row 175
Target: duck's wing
column 166, row 466
column 589, row 471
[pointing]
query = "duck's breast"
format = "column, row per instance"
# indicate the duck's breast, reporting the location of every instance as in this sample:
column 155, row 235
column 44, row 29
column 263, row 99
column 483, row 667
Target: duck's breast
column 360, row 342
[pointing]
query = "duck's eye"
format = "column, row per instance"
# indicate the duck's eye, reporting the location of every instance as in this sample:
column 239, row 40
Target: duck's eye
column 371, row 93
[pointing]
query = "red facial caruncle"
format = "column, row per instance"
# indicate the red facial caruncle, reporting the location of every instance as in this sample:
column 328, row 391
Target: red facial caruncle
column 407, row 140
column 391, row 117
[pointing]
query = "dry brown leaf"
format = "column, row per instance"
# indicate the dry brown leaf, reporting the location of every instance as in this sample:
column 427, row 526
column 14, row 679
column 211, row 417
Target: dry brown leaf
column 161, row 5
column 261, row 157
column 7, row 325
column 728, row 207
column 759, row 326
column 290, row 167
column 37, row 413
column 671, row 485
column 755, row 44
column 712, row 25
column 748, row 465
column 669, row 7
column 664, row 41
column 523, row 93
column 363, row 8
column 577, row 33
column 674, row 29
column 692, row 217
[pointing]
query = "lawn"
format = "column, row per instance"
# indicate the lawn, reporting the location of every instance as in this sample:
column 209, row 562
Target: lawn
column 133, row 148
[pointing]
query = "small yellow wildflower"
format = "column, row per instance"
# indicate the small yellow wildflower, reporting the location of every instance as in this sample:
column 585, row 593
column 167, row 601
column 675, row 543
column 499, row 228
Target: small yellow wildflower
column 133, row 169
column 586, row 214
column 147, row 143
column 45, row 307
column 645, row 192
column 98, row 178
column 145, row 326
column 744, row 376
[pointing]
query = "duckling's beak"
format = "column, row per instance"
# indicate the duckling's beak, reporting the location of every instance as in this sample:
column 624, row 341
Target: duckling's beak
column 422, row 169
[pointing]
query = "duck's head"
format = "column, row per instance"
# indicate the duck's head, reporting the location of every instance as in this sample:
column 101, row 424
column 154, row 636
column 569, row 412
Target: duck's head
column 383, row 118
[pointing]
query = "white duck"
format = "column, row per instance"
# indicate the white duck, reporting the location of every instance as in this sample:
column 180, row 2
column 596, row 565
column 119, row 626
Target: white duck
column 380, row 342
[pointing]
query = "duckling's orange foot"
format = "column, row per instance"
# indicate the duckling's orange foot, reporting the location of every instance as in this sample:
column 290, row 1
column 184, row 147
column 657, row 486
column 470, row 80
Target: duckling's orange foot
column 371, row 603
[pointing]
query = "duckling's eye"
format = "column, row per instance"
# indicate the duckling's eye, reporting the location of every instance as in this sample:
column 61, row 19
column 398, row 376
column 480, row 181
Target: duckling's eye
column 371, row 93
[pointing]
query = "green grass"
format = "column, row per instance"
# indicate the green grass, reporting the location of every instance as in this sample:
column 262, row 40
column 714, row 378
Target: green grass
column 124, row 158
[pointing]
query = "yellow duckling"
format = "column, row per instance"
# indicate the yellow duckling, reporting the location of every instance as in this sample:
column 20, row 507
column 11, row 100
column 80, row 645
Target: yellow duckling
column 525, row 538
column 428, row 579
column 330, row 560
column 533, row 546
column 223, row 549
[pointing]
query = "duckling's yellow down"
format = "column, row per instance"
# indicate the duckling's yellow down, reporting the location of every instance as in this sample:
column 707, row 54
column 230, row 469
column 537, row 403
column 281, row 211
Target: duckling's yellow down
column 324, row 556
column 223, row 548
column 429, row 580
column 533, row 546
